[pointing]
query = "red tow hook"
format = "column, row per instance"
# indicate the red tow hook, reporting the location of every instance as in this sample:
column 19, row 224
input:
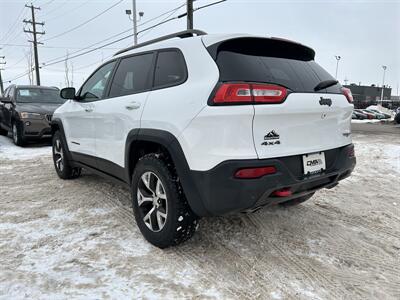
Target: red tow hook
column 283, row 193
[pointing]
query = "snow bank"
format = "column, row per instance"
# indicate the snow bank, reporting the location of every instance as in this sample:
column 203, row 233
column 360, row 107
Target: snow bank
column 9, row 151
column 381, row 109
column 366, row 121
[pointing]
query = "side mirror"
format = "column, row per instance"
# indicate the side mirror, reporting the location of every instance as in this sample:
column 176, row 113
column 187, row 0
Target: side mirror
column 68, row 93
column 5, row 100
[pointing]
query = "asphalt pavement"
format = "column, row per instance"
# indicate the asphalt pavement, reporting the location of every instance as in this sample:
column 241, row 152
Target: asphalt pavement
column 377, row 128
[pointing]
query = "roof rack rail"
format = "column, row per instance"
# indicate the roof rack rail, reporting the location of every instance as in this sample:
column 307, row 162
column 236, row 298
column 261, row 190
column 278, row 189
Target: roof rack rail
column 181, row 34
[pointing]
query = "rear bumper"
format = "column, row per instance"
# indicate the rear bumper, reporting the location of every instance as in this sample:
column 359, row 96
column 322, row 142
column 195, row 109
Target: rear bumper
column 221, row 193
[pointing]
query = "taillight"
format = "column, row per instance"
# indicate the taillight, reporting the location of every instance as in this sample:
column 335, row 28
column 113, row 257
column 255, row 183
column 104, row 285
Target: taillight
column 233, row 93
column 253, row 173
column 243, row 93
column 266, row 93
column 348, row 94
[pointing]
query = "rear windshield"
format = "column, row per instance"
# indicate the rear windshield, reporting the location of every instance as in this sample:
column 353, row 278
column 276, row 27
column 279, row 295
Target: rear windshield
column 270, row 61
column 38, row 95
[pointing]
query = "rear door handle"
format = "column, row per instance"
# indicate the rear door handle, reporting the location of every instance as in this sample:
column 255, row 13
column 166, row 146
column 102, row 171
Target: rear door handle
column 133, row 105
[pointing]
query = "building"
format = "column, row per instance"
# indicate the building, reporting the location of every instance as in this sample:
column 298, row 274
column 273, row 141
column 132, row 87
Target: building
column 365, row 96
column 369, row 93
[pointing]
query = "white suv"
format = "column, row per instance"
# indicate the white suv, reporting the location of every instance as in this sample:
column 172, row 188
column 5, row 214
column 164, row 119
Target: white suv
column 204, row 125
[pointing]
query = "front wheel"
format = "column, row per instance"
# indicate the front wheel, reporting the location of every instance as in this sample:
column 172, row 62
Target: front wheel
column 17, row 135
column 62, row 165
column 161, row 210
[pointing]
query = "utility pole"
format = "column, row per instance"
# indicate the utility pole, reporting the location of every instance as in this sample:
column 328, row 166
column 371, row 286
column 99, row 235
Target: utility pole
column 134, row 16
column 1, row 79
column 338, row 58
column 383, row 82
column 189, row 5
column 35, row 42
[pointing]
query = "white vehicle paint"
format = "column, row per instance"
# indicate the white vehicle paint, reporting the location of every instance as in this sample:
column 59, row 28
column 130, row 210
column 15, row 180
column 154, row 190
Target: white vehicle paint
column 207, row 134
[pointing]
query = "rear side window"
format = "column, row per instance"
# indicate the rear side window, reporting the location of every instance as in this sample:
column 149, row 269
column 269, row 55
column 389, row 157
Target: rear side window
column 170, row 69
column 132, row 75
column 271, row 61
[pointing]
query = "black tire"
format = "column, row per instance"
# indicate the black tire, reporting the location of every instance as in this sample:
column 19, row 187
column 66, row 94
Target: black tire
column 17, row 136
column 3, row 132
column 61, row 163
column 180, row 222
column 397, row 118
column 296, row 201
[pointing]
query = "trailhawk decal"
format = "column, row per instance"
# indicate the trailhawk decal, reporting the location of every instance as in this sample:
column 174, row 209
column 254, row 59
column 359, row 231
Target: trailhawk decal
column 272, row 138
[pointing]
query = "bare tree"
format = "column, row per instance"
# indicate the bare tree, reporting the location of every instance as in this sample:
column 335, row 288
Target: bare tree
column 72, row 74
column 69, row 72
column 66, row 68
column 29, row 58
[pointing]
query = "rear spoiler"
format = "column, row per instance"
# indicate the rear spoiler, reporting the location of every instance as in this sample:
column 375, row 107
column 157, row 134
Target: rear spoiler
column 273, row 47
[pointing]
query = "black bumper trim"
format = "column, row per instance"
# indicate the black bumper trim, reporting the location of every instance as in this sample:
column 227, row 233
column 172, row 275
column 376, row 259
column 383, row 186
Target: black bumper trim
column 222, row 194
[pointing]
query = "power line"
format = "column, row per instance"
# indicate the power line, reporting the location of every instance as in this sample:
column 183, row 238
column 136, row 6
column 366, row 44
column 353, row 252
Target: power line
column 54, row 9
column 53, row 47
column 113, row 36
column 108, row 44
column 17, row 77
column 47, row 3
column 65, row 12
column 13, row 27
column 15, row 64
column 92, row 45
column 84, row 23
column 167, row 17
column 163, row 14
column 89, row 51
column 62, row 59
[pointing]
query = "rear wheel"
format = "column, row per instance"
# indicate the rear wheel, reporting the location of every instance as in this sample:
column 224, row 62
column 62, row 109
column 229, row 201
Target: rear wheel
column 160, row 207
column 296, row 201
column 62, row 165
column 17, row 135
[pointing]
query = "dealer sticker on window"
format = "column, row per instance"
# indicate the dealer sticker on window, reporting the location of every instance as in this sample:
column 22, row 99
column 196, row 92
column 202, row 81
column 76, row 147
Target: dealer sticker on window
column 314, row 163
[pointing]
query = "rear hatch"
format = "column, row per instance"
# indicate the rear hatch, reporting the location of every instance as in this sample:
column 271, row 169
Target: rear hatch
column 280, row 78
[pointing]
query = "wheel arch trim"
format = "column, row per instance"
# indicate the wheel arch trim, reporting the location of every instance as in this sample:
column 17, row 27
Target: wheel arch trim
column 172, row 145
column 56, row 124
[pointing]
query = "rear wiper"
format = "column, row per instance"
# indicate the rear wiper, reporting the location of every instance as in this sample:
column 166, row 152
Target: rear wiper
column 325, row 84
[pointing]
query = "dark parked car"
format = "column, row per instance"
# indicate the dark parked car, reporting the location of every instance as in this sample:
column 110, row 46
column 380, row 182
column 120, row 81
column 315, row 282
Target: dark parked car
column 364, row 113
column 387, row 116
column 397, row 117
column 377, row 115
column 359, row 116
column 26, row 111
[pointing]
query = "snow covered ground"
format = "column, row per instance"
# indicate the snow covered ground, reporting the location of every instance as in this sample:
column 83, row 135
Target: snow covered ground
column 10, row 152
column 78, row 239
column 366, row 121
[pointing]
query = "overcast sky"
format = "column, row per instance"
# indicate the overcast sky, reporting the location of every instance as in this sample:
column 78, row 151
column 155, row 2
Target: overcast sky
column 366, row 34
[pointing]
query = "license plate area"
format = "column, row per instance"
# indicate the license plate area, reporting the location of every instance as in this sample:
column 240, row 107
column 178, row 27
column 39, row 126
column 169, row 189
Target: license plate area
column 314, row 163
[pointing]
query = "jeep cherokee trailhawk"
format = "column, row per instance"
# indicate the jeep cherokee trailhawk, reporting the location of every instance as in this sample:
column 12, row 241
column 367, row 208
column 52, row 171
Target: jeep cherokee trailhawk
column 204, row 125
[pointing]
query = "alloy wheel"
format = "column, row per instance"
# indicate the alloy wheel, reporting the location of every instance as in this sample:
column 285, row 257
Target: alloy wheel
column 152, row 201
column 58, row 155
column 15, row 134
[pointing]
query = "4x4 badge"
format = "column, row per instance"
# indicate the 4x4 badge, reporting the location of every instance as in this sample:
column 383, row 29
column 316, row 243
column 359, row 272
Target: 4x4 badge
column 272, row 135
column 272, row 138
